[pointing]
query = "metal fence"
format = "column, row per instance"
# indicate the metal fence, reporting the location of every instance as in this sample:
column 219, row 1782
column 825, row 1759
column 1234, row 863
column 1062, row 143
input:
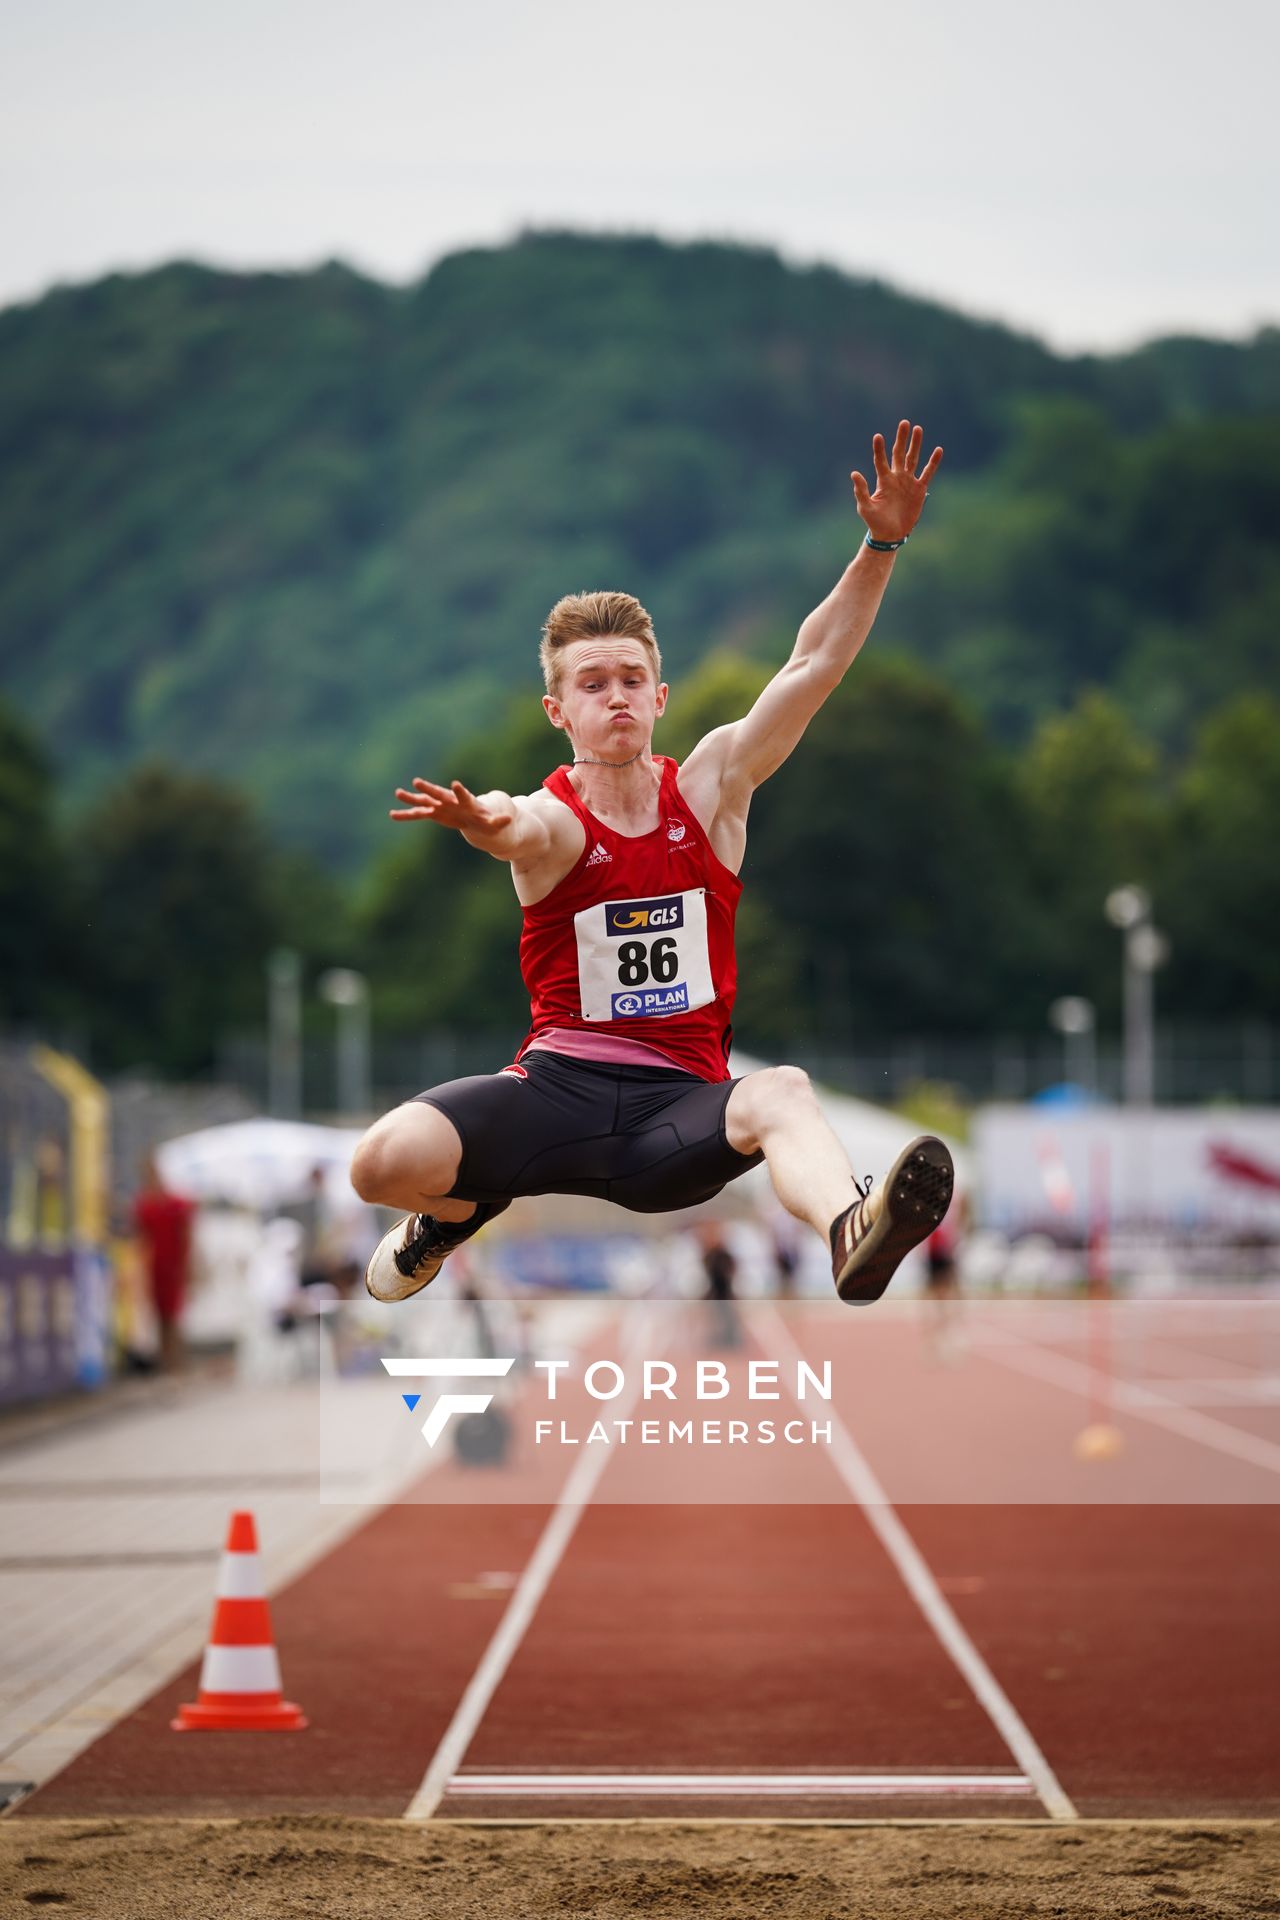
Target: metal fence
column 1194, row 1065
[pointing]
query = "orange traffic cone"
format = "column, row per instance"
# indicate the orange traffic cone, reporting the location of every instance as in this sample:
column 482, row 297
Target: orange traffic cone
column 240, row 1680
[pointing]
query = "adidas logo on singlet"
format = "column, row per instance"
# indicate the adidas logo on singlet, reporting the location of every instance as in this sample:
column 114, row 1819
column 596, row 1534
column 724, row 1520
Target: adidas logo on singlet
column 598, row 856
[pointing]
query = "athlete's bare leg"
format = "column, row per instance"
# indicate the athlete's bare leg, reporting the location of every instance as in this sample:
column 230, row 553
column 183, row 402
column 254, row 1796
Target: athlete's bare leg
column 775, row 1112
column 408, row 1160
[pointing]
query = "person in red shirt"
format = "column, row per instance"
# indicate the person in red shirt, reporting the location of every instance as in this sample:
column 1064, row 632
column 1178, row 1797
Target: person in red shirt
column 626, row 867
column 162, row 1223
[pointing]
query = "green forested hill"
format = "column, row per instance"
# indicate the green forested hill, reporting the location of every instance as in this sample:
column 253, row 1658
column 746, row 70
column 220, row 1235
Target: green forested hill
column 301, row 530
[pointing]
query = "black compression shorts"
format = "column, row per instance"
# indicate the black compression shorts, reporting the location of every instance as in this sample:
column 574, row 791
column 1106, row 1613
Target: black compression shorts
column 648, row 1138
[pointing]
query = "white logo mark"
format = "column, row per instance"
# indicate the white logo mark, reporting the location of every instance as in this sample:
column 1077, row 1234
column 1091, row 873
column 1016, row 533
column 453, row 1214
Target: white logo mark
column 675, row 829
column 449, row 1403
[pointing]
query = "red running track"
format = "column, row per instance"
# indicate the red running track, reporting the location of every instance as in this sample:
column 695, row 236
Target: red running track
column 775, row 1650
column 1136, row 1644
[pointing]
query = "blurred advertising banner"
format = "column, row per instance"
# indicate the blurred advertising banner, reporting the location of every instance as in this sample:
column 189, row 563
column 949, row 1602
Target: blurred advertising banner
column 39, row 1352
column 759, row 1402
column 1195, row 1171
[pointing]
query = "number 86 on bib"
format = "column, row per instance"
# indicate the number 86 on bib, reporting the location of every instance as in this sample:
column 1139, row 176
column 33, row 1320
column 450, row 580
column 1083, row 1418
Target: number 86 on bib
column 644, row 959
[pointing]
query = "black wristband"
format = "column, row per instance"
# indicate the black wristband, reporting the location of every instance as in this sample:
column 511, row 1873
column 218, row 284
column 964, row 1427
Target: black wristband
column 885, row 546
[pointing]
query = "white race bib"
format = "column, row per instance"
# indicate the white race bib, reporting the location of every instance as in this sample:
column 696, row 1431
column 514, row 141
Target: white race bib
column 640, row 959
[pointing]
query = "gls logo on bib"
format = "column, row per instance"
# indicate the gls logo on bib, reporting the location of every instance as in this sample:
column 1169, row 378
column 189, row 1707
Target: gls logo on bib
column 645, row 916
column 644, row 959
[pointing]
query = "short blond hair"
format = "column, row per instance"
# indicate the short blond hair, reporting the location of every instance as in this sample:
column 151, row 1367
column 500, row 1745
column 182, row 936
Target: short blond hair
column 594, row 616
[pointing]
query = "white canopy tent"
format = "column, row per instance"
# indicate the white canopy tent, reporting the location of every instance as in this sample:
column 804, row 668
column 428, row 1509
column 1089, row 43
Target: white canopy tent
column 261, row 1164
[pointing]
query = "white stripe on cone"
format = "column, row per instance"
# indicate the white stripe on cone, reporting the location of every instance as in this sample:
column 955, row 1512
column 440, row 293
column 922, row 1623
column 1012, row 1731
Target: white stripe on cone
column 240, row 1577
column 240, row 1670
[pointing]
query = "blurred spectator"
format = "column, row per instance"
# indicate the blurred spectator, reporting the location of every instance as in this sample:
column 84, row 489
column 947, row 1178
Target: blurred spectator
column 942, row 1285
column 162, row 1225
column 720, row 1268
column 784, row 1241
column 134, row 1315
column 320, row 1257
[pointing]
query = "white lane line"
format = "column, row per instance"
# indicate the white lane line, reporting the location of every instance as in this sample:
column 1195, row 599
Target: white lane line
column 1256, row 1390
column 852, row 1466
column 514, row 1624
column 812, row 1786
column 1041, row 1363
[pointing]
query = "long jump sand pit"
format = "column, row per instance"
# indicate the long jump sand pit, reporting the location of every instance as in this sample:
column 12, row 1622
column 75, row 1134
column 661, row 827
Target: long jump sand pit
column 290, row 1867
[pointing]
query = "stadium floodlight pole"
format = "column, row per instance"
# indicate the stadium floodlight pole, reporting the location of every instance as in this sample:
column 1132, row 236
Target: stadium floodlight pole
column 348, row 991
column 1145, row 949
column 284, row 1034
column 1075, row 1018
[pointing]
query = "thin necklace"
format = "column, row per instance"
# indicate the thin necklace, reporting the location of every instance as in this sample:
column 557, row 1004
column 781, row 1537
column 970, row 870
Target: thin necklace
column 582, row 760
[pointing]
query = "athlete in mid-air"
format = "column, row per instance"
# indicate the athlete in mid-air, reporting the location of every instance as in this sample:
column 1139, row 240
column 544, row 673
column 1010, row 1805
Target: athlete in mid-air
column 626, row 867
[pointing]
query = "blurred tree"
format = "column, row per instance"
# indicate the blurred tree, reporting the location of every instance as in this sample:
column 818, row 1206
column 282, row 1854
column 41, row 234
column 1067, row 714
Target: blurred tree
column 1220, row 897
column 36, row 891
column 721, row 690
column 179, row 917
column 883, row 849
column 283, row 527
column 439, row 921
column 1095, row 807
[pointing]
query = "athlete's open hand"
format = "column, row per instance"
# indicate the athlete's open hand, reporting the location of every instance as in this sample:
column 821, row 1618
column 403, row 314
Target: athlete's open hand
column 453, row 806
column 898, row 501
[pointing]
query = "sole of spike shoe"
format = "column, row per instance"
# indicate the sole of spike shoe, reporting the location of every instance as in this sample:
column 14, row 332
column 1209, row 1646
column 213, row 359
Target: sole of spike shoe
column 917, row 1193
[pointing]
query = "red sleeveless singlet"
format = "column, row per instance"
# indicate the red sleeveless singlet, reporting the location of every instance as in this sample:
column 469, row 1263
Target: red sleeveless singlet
column 637, row 939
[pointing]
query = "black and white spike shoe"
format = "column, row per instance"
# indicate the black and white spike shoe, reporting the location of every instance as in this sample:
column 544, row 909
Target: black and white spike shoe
column 870, row 1238
column 409, row 1257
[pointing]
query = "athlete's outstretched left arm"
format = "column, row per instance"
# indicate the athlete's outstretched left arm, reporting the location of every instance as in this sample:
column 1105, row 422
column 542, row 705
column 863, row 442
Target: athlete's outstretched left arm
column 829, row 640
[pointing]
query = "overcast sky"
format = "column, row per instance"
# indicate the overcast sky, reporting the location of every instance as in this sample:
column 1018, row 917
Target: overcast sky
column 1096, row 173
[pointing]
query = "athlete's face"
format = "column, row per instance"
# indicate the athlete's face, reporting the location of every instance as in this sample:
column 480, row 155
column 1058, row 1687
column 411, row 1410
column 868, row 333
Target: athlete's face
column 608, row 698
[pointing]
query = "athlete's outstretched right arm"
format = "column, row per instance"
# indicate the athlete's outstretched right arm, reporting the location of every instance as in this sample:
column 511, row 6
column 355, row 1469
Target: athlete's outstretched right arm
column 511, row 828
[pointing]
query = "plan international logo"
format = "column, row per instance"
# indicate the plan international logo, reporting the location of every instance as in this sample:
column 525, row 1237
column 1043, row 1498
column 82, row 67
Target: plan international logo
column 650, row 1002
column 650, row 1381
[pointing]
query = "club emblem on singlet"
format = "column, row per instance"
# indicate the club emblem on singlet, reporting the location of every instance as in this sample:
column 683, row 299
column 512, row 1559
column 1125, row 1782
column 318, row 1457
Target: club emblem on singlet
column 675, row 829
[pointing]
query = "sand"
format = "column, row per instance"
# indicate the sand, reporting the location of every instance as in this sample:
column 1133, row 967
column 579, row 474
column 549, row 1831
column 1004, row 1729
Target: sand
column 287, row 1868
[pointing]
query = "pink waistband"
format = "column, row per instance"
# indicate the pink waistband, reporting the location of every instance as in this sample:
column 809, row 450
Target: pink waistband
column 609, row 1047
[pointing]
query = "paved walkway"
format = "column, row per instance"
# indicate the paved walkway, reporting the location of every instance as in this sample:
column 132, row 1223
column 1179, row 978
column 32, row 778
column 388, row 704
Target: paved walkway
column 110, row 1532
